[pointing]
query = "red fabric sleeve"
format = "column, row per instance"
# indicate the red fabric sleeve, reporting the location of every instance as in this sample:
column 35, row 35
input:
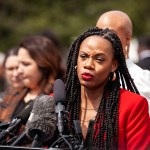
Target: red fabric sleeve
column 138, row 128
column 134, row 122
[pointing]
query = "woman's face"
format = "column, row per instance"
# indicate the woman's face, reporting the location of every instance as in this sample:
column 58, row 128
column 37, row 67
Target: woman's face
column 95, row 62
column 11, row 72
column 29, row 70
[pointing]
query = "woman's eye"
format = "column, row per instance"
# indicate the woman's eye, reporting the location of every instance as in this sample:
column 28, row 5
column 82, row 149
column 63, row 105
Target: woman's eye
column 83, row 56
column 10, row 69
column 100, row 59
column 25, row 64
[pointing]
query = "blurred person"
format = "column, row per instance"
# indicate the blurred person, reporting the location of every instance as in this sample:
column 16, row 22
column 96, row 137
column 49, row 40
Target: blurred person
column 2, row 81
column 39, row 65
column 48, row 33
column 96, row 65
column 52, row 36
column 11, row 66
column 11, row 78
column 122, row 25
column 144, row 52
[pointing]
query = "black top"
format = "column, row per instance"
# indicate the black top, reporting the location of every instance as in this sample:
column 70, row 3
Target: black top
column 20, row 107
column 144, row 63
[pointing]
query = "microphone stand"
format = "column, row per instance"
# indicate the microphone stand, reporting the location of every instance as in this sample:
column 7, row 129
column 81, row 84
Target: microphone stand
column 73, row 142
column 8, row 131
column 19, row 139
column 36, row 142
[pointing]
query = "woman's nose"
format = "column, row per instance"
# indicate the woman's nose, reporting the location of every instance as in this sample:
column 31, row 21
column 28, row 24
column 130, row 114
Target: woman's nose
column 15, row 72
column 19, row 70
column 89, row 63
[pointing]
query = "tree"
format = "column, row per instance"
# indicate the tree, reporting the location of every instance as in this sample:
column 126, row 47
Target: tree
column 67, row 18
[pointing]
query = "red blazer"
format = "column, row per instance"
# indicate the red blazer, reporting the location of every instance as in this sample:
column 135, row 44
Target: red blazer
column 134, row 122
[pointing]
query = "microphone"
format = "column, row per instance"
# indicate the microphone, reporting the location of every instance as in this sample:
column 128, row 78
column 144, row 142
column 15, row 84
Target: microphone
column 59, row 97
column 78, row 129
column 78, row 132
column 4, row 125
column 24, row 115
column 88, row 142
column 21, row 118
column 41, row 124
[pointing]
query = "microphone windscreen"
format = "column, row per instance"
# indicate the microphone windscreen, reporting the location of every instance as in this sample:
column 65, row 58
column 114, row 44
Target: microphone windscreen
column 59, row 91
column 25, row 113
column 42, row 120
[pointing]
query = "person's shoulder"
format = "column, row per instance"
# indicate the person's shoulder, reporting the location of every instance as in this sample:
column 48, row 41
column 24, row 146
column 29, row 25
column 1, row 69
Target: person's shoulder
column 129, row 98
column 130, row 95
column 130, row 101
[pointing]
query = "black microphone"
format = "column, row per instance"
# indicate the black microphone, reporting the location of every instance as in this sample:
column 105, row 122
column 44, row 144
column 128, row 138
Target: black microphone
column 88, row 143
column 78, row 130
column 4, row 125
column 41, row 124
column 24, row 115
column 59, row 97
column 21, row 118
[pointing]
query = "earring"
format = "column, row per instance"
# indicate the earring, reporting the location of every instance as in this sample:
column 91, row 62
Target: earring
column 126, row 53
column 127, row 47
column 75, row 70
column 114, row 76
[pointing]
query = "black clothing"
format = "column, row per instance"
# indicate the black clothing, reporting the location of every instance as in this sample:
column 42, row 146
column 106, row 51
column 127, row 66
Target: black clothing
column 144, row 63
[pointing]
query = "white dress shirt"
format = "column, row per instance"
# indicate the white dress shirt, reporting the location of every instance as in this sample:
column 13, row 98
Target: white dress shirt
column 141, row 79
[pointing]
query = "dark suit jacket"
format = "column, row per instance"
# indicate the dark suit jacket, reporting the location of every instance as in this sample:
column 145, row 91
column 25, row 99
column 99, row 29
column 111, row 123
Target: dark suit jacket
column 145, row 63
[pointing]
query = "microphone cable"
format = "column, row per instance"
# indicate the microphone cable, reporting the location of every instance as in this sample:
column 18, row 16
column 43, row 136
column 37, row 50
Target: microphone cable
column 59, row 139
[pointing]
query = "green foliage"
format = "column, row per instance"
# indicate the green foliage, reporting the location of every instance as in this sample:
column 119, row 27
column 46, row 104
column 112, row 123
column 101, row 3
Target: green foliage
column 67, row 18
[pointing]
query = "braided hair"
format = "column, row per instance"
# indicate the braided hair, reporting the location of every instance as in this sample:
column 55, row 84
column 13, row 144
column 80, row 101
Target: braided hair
column 105, row 134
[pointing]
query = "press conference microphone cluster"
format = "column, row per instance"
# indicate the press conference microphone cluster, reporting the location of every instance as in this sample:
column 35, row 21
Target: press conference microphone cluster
column 68, row 140
column 21, row 118
column 41, row 124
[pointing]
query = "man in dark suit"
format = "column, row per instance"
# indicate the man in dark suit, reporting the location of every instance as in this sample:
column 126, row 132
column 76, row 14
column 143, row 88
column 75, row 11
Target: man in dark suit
column 144, row 52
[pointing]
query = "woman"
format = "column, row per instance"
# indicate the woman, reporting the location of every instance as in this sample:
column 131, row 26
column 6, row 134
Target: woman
column 11, row 66
column 2, row 74
column 14, row 84
column 95, row 69
column 39, row 65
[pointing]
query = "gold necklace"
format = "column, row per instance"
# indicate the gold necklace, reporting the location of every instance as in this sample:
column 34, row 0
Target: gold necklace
column 90, row 108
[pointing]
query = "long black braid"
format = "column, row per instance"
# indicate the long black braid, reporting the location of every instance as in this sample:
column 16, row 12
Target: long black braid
column 105, row 134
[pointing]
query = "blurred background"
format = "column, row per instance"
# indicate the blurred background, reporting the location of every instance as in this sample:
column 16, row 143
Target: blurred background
column 67, row 18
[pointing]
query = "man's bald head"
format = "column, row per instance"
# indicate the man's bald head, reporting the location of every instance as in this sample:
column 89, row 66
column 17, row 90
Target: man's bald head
column 120, row 23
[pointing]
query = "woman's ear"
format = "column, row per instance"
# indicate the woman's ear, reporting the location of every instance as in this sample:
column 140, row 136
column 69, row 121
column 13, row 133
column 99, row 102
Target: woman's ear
column 114, row 65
